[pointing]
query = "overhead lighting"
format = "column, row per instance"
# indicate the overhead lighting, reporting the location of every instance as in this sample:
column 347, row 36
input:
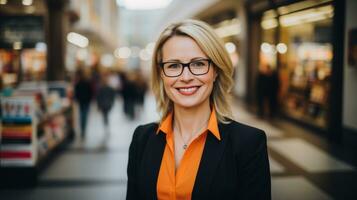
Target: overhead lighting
column 123, row 52
column 27, row 2
column 281, row 48
column 150, row 47
column 77, row 39
column 231, row 48
column 145, row 55
column 311, row 15
column 143, row 4
column 306, row 16
column 17, row 45
column 269, row 23
column 267, row 48
column 3, row 2
column 41, row 47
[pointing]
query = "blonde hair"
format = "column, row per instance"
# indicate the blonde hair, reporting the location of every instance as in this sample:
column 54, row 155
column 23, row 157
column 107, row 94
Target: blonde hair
column 213, row 47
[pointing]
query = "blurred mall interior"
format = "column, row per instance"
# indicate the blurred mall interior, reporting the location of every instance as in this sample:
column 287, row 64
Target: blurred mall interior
column 299, row 54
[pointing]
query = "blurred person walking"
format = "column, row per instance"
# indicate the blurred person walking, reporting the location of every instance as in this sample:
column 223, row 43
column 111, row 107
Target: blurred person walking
column 196, row 151
column 141, row 88
column 83, row 94
column 95, row 79
column 267, row 91
column 105, row 99
column 129, row 93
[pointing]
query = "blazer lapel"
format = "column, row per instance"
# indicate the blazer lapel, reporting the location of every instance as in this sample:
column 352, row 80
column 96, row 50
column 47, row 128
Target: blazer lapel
column 211, row 156
column 151, row 163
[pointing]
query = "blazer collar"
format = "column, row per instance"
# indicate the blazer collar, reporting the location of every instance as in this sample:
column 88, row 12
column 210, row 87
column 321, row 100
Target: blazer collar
column 151, row 162
column 211, row 157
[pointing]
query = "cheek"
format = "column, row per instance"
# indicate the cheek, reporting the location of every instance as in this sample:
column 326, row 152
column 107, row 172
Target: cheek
column 167, row 83
column 210, row 85
column 210, row 80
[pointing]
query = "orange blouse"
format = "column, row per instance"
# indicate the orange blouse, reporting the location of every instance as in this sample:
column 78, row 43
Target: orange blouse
column 179, row 185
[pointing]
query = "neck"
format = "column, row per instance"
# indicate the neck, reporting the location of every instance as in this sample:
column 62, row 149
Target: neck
column 190, row 120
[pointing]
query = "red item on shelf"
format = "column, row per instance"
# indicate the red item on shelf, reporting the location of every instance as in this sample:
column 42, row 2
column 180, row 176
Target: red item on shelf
column 15, row 154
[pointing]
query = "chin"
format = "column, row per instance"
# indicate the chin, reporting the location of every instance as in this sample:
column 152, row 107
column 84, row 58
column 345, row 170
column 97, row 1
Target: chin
column 188, row 103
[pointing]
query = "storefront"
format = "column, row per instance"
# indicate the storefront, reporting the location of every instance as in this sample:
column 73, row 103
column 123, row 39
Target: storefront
column 22, row 49
column 36, row 113
column 304, row 62
column 296, row 41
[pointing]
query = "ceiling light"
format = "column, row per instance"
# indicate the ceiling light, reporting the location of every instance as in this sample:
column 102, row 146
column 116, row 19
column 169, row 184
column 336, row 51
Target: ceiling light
column 3, row 2
column 17, row 45
column 269, row 23
column 231, row 48
column 77, row 39
column 124, row 52
column 306, row 16
column 27, row 2
column 282, row 48
column 41, row 47
column 266, row 48
column 150, row 47
column 145, row 55
column 143, row 4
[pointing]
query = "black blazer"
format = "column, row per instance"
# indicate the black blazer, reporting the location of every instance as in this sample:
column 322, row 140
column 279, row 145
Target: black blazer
column 236, row 167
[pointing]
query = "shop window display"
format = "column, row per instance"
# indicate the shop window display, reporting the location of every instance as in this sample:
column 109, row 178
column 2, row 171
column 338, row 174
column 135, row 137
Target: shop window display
column 8, row 68
column 25, row 65
column 298, row 45
column 33, row 65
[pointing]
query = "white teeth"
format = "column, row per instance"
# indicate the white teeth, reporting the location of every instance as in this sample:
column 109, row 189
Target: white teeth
column 187, row 89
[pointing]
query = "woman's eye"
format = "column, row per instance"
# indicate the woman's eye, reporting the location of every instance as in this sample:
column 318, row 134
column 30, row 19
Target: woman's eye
column 198, row 64
column 173, row 66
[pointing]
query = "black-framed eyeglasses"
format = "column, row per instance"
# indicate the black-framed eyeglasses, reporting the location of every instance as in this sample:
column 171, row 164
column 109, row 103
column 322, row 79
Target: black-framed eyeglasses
column 196, row 67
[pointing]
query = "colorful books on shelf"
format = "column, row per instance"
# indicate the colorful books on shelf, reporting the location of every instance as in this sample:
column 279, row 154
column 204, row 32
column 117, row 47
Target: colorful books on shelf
column 32, row 123
column 18, row 131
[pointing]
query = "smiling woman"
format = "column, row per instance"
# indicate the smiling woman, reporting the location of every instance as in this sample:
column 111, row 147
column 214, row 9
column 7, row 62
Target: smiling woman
column 196, row 151
column 186, row 87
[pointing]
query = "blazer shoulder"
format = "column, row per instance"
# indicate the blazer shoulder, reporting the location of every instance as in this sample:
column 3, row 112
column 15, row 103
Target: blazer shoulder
column 142, row 132
column 245, row 135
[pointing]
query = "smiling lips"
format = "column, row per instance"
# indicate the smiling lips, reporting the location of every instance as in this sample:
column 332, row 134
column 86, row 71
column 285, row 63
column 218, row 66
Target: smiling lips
column 187, row 91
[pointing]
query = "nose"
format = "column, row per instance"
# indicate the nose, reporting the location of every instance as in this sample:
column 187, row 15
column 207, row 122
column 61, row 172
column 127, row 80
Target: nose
column 186, row 75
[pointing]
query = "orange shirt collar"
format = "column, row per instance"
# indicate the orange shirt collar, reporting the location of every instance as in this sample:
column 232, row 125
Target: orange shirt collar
column 166, row 125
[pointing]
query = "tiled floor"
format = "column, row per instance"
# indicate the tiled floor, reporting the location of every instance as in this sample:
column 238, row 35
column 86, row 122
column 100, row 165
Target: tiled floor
column 301, row 163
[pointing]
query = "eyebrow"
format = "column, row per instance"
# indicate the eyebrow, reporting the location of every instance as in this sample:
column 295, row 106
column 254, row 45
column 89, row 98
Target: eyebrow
column 192, row 59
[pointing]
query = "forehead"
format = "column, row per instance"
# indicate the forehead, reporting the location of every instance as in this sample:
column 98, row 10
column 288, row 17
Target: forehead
column 181, row 48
